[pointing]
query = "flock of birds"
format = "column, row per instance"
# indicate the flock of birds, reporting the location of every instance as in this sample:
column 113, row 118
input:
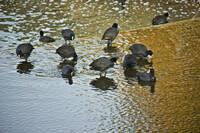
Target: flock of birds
column 103, row 63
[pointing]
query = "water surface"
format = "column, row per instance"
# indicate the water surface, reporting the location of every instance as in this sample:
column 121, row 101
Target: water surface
column 35, row 97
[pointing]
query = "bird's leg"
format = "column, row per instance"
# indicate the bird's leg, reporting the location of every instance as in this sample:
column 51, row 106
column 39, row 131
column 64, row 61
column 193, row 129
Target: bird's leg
column 152, row 88
column 109, row 43
column 105, row 73
column 151, row 62
column 100, row 74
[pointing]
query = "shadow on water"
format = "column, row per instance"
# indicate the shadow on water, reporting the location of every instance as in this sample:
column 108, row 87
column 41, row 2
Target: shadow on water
column 104, row 83
column 24, row 67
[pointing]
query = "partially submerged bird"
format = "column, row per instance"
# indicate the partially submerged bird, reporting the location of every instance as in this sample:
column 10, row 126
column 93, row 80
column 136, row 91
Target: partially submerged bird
column 45, row 39
column 102, row 64
column 110, row 34
column 67, row 51
column 24, row 50
column 68, row 35
column 146, row 77
column 68, row 72
column 129, row 61
column 140, row 50
column 160, row 19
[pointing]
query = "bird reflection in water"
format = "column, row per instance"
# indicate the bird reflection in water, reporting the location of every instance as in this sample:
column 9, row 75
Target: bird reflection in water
column 104, row 83
column 24, row 67
column 122, row 3
column 111, row 49
column 152, row 84
column 130, row 75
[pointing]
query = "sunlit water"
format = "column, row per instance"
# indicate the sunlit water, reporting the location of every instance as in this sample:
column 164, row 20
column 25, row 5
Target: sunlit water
column 35, row 98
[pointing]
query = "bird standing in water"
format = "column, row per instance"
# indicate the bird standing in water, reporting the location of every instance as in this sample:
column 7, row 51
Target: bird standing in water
column 68, row 35
column 24, row 50
column 102, row 64
column 110, row 34
column 67, row 51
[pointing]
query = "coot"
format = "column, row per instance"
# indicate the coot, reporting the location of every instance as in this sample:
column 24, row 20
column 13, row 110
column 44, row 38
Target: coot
column 139, row 50
column 160, row 19
column 146, row 77
column 24, row 50
column 129, row 61
column 68, row 34
column 45, row 39
column 68, row 72
column 102, row 64
column 67, row 51
column 111, row 33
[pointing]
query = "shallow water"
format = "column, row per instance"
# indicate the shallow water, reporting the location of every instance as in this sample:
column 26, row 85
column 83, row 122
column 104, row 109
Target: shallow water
column 35, row 98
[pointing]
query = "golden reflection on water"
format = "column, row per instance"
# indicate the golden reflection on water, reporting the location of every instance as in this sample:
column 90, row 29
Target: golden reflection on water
column 175, row 104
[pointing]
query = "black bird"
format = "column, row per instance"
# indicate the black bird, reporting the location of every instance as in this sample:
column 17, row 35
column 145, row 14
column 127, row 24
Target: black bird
column 67, row 51
column 160, row 19
column 146, row 77
column 24, row 50
column 111, row 33
column 68, row 72
column 129, row 61
column 68, row 34
column 139, row 50
column 45, row 39
column 102, row 64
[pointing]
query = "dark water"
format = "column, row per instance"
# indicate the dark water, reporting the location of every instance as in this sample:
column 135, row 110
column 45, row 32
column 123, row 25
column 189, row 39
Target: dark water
column 35, row 97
